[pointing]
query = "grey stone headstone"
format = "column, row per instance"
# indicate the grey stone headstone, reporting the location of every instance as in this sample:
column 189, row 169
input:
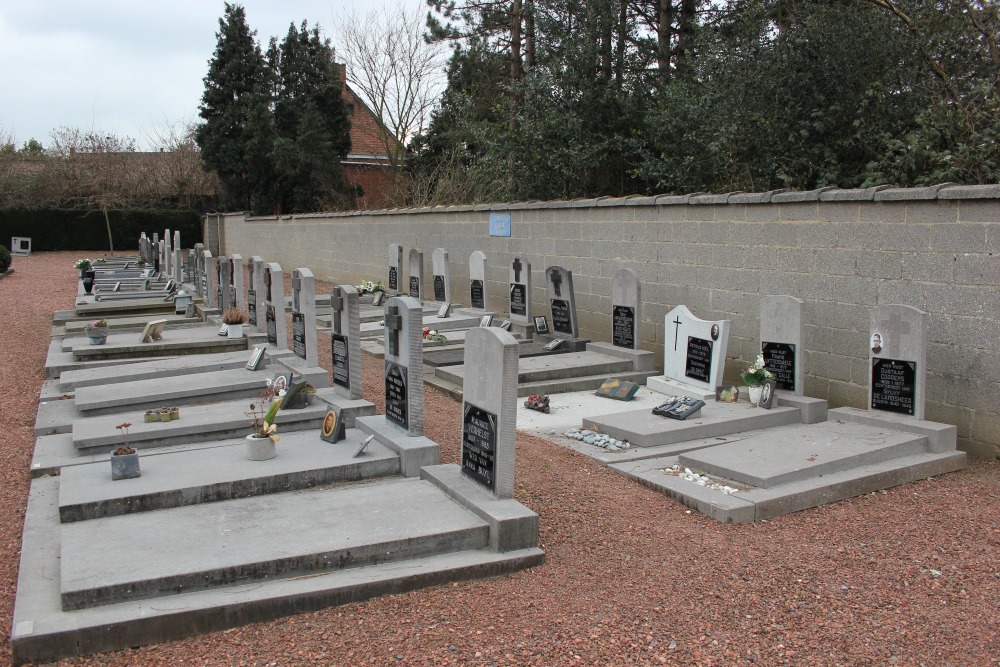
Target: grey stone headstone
column 222, row 283
column 395, row 268
column 345, row 340
column 562, row 301
column 236, row 280
column 489, row 409
column 168, row 254
column 415, row 270
column 191, row 267
column 255, row 293
column 441, row 275
column 161, row 262
column 898, row 361
column 208, row 272
column 695, row 349
column 519, row 278
column 142, row 246
column 478, row 290
column 626, row 309
column 177, row 266
column 274, row 306
column 304, row 343
column 404, row 364
column 781, row 341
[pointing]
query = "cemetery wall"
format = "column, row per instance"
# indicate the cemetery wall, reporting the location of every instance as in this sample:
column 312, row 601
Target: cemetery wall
column 841, row 251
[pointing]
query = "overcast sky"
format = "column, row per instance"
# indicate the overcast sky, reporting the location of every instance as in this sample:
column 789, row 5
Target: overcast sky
column 126, row 66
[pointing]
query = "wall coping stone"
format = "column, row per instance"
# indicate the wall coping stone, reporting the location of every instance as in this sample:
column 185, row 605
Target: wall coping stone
column 853, row 194
column 754, row 197
column 801, row 195
column 909, row 194
column 713, row 199
column 970, row 192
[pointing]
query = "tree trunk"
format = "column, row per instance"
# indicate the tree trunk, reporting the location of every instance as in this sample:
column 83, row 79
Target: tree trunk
column 515, row 61
column 665, row 18
column 107, row 222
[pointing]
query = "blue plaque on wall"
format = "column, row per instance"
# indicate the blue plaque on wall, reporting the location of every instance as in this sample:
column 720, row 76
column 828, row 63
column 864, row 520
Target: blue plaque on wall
column 499, row 224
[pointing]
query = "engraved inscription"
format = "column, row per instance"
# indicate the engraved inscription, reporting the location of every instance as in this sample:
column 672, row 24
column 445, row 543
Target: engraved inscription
column 779, row 358
column 623, row 327
column 341, row 361
column 396, row 394
column 479, row 444
column 894, row 385
column 698, row 363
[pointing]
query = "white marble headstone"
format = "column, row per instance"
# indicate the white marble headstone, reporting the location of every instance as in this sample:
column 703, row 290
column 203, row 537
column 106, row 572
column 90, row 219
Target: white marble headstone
column 395, row 267
column 404, row 364
column 255, row 293
column 478, row 290
column 237, row 281
column 520, row 291
column 694, row 350
column 626, row 309
column 274, row 306
column 562, row 301
column 441, row 275
column 415, row 271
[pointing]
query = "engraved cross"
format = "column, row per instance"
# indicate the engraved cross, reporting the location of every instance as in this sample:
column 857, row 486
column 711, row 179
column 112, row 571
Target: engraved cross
column 896, row 327
column 517, row 266
column 556, row 279
column 337, row 302
column 393, row 325
column 677, row 329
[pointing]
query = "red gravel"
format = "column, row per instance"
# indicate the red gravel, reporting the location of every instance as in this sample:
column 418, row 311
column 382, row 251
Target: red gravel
column 909, row 576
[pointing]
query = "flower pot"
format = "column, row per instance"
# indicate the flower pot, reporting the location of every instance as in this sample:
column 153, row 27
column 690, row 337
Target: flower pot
column 755, row 394
column 234, row 330
column 165, row 416
column 260, row 449
column 125, row 466
column 152, row 417
column 97, row 335
column 175, row 413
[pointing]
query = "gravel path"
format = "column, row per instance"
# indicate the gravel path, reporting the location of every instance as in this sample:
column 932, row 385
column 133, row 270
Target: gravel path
column 908, row 576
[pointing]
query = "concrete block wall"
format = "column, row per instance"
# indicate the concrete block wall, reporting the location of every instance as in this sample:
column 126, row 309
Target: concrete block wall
column 840, row 251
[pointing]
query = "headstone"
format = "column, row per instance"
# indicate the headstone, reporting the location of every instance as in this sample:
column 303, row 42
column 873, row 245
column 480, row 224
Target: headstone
column 160, row 263
column 395, row 266
column 304, row 316
column 625, row 309
column 191, row 268
column 562, row 301
column 178, row 273
column 404, row 364
column 155, row 252
column 478, row 292
column 416, row 273
column 142, row 247
column 898, row 358
column 168, row 254
column 221, row 282
column 489, row 409
column 441, row 275
column 274, row 306
column 236, row 282
column 255, row 292
column 207, row 273
column 345, row 340
column 781, row 341
column 520, row 291
column 695, row 350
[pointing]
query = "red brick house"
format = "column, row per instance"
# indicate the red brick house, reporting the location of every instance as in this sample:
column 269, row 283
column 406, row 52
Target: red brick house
column 366, row 167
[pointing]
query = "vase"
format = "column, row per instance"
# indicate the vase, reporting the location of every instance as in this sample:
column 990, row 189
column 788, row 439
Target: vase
column 97, row 335
column 234, row 330
column 260, row 449
column 755, row 394
column 164, row 415
column 175, row 413
column 125, row 466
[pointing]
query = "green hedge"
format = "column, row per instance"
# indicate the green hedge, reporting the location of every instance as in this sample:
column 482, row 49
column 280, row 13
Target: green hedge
column 56, row 229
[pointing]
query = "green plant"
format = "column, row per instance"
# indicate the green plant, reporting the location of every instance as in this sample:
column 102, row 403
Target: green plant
column 98, row 324
column 369, row 287
column 83, row 264
column 4, row 259
column 263, row 413
column 755, row 375
column 234, row 316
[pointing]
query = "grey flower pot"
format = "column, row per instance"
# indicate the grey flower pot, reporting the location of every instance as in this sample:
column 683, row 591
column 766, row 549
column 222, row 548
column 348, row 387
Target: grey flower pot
column 125, row 466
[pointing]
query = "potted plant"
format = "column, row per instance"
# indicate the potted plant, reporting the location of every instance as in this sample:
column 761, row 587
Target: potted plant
column 97, row 332
column 152, row 416
column 755, row 377
column 432, row 336
column 125, row 459
column 234, row 318
column 261, row 443
column 83, row 265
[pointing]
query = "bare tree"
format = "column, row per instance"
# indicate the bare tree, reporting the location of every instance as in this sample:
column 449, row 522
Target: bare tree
column 397, row 72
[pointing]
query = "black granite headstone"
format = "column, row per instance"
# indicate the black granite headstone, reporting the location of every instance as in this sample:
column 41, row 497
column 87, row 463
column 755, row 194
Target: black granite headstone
column 439, row 294
column 894, row 385
column 272, row 325
column 698, row 361
column 396, row 394
column 479, row 445
column 518, row 299
column 393, row 278
column 252, row 306
column 561, row 322
column 478, row 298
column 779, row 358
column 415, row 287
column 299, row 335
column 623, row 327
column 341, row 361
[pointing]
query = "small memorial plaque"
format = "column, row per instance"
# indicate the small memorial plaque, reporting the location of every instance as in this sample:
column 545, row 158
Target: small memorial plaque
column 518, row 300
column 377, row 298
column 341, row 361
column 272, row 325
column 767, row 395
column 299, row 335
column 333, row 427
column 779, row 358
column 677, row 407
column 252, row 306
column 415, row 287
column 362, row 445
column 255, row 359
column 505, row 325
column 486, row 321
column 619, row 390
column 541, row 325
column 561, row 321
column 396, row 395
column 393, row 278
column 479, row 444
column 444, row 311
column 623, row 327
column 478, row 297
column 554, row 343
column 894, row 385
column 698, row 362
column 439, row 294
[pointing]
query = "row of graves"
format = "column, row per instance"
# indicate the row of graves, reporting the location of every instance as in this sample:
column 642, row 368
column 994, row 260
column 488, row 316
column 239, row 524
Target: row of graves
column 553, row 356
column 744, row 453
column 178, row 488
